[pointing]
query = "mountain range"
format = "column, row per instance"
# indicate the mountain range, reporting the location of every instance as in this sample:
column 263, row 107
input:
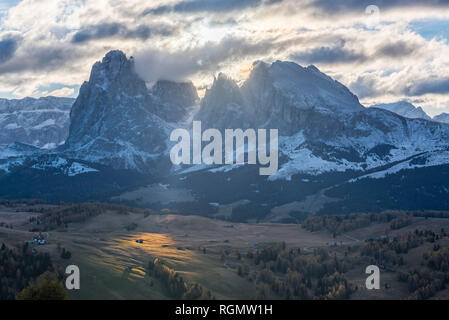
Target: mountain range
column 43, row 123
column 408, row 110
column 335, row 155
column 405, row 109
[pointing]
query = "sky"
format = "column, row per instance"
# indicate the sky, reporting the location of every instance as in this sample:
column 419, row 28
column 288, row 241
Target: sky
column 383, row 51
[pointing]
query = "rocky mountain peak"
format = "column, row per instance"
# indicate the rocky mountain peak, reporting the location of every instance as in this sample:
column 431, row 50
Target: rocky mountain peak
column 277, row 95
column 178, row 92
column 113, row 119
column 223, row 105
column 309, row 87
column 117, row 71
column 225, row 89
column 43, row 122
column 113, row 84
column 172, row 101
column 405, row 109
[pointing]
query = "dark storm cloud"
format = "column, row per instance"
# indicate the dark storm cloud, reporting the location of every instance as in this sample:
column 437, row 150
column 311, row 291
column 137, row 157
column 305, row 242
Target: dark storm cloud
column 108, row 30
column 38, row 58
column 340, row 53
column 226, row 22
column 433, row 85
column 208, row 6
column 369, row 86
column 397, row 49
column 8, row 47
column 328, row 55
column 97, row 32
column 341, row 6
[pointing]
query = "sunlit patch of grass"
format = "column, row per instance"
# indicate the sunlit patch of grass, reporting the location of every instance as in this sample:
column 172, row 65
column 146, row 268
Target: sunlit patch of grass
column 114, row 265
column 137, row 272
column 158, row 245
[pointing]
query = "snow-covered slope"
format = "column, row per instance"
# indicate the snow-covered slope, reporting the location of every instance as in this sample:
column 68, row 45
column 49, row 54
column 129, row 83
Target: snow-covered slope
column 66, row 167
column 17, row 150
column 405, row 109
column 43, row 122
column 443, row 117
column 364, row 141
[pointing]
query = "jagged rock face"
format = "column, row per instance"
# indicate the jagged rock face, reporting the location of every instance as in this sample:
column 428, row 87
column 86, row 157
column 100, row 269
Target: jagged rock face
column 405, row 109
column 43, row 122
column 282, row 95
column 112, row 84
column 223, row 106
column 173, row 101
column 285, row 95
column 112, row 121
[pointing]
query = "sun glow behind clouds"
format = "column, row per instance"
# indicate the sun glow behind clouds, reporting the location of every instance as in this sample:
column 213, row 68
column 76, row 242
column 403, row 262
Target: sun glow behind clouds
column 206, row 33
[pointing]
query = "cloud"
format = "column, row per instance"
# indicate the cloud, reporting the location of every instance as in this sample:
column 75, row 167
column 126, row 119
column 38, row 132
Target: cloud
column 39, row 58
column 365, row 86
column 428, row 86
column 397, row 49
column 341, row 6
column 8, row 47
column 401, row 84
column 352, row 51
column 336, row 54
column 108, row 30
column 155, row 65
column 62, row 92
column 195, row 39
column 208, row 6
